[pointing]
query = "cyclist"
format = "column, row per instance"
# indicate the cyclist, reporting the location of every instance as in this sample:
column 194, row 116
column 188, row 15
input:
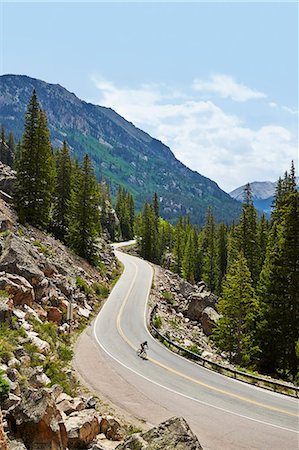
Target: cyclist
column 142, row 350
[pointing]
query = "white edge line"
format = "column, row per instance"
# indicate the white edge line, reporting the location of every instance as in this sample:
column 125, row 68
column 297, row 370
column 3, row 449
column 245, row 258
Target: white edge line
column 176, row 392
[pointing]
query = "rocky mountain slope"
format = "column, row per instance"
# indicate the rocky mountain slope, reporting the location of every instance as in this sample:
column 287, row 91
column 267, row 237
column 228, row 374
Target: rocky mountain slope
column 47, row 295
column 121, row 152
column 262, row 192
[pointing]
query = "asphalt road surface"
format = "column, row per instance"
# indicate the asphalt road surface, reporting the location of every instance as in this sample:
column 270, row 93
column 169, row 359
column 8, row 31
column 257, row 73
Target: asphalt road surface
column 222, row 412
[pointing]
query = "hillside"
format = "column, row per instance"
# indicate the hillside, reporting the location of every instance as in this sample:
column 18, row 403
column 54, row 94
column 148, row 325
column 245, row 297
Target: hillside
column 121, row 152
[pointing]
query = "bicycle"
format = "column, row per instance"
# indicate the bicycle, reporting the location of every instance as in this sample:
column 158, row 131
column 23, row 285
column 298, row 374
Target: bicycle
column 142, row 353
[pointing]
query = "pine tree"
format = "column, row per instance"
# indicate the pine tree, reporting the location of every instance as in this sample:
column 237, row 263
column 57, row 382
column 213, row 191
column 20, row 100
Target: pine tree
column 221, row 256
column 279, row 290
column 248, row 240
column 11, row 149
column 235, row 331
column 178, row 247
column 189, row 258
column 62, row 193
column 262, row 237
column 209, row 252
column 3, row 146
column 35, row 170
column 125, row 212
column 148, row 233
column 84, row 217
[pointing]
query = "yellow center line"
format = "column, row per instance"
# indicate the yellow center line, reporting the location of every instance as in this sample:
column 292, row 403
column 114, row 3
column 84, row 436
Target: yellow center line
column 182, row 375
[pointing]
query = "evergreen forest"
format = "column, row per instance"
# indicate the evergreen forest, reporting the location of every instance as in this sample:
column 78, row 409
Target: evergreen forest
column 252, row 265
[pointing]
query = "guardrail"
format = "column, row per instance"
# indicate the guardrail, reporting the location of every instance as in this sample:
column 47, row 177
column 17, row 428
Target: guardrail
column 282, row 388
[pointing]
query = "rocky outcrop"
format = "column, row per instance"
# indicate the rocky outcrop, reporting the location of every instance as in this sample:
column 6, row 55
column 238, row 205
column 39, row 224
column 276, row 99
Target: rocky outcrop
column 82, row 428
column 3, row 441
column 208, row 319
column 38, row 422
column 18, row 288
column 169, row 435
column 198, row 301
column 7, row 178
column 20, row 259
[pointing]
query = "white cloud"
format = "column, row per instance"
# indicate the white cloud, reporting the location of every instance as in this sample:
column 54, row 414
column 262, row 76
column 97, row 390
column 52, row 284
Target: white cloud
column 227, row 87
column 203, row 136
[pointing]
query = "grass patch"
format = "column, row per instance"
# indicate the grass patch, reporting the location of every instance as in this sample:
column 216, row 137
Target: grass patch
column 83, row 286
column 9, row 340
column 4, row 388
column 157, row 321
column 100, row 289
column 44, row 249
column 195, row 349
column 169, row 297
column 133, row 430
column 174, row 324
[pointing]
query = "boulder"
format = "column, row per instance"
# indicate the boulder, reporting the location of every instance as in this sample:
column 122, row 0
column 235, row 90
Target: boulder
column 16, row 444
column 41, row 290
column 7, row 178
column 66, row 407
column 111, row 428
column 38, row 378
column 5, row 310
column 19, row 258
column 208, row 320
column 5, row 223
column 82, row 428
column 38, row 422
column 3, row 441
column 10, row 402
column 169, row 435
column 43, row 346
column 198, row 302
column 186, row 289
column 54, row 315
column 18, row 288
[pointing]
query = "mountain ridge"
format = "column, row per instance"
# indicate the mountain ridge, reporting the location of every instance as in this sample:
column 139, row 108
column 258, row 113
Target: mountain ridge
column 262, row 194
column 120, row 151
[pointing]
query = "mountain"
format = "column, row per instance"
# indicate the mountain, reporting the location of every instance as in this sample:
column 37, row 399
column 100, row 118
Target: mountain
column 120, row 152
column 262, row 193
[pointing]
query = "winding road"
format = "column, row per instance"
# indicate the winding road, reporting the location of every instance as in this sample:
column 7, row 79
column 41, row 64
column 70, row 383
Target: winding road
column 222, row 412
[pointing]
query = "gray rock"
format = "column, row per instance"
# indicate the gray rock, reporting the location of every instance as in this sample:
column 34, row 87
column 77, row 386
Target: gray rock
column 38, row 422
column 5, row 310
column 18, row 287
column 209, row 318
column 198, row 302
column 20, row 258
column 169, row 435
column 82, row 428
column 16, row 444
column 10, row 402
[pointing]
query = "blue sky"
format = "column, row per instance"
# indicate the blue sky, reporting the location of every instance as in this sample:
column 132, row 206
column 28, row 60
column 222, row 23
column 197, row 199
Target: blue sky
column 217, row 82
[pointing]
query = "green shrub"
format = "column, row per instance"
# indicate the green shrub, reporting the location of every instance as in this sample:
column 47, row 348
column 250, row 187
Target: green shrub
column 54, row 370
column 169, row 297
column 65, row 353
column 47, row 331
column 157, row 321
column 4, row 388
column 100, row 289
column 195, row 349
column 44, row 249
column 132, row 430
column 33, row 352
column 174, row 323
column 4, row 294
column 83, row 286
